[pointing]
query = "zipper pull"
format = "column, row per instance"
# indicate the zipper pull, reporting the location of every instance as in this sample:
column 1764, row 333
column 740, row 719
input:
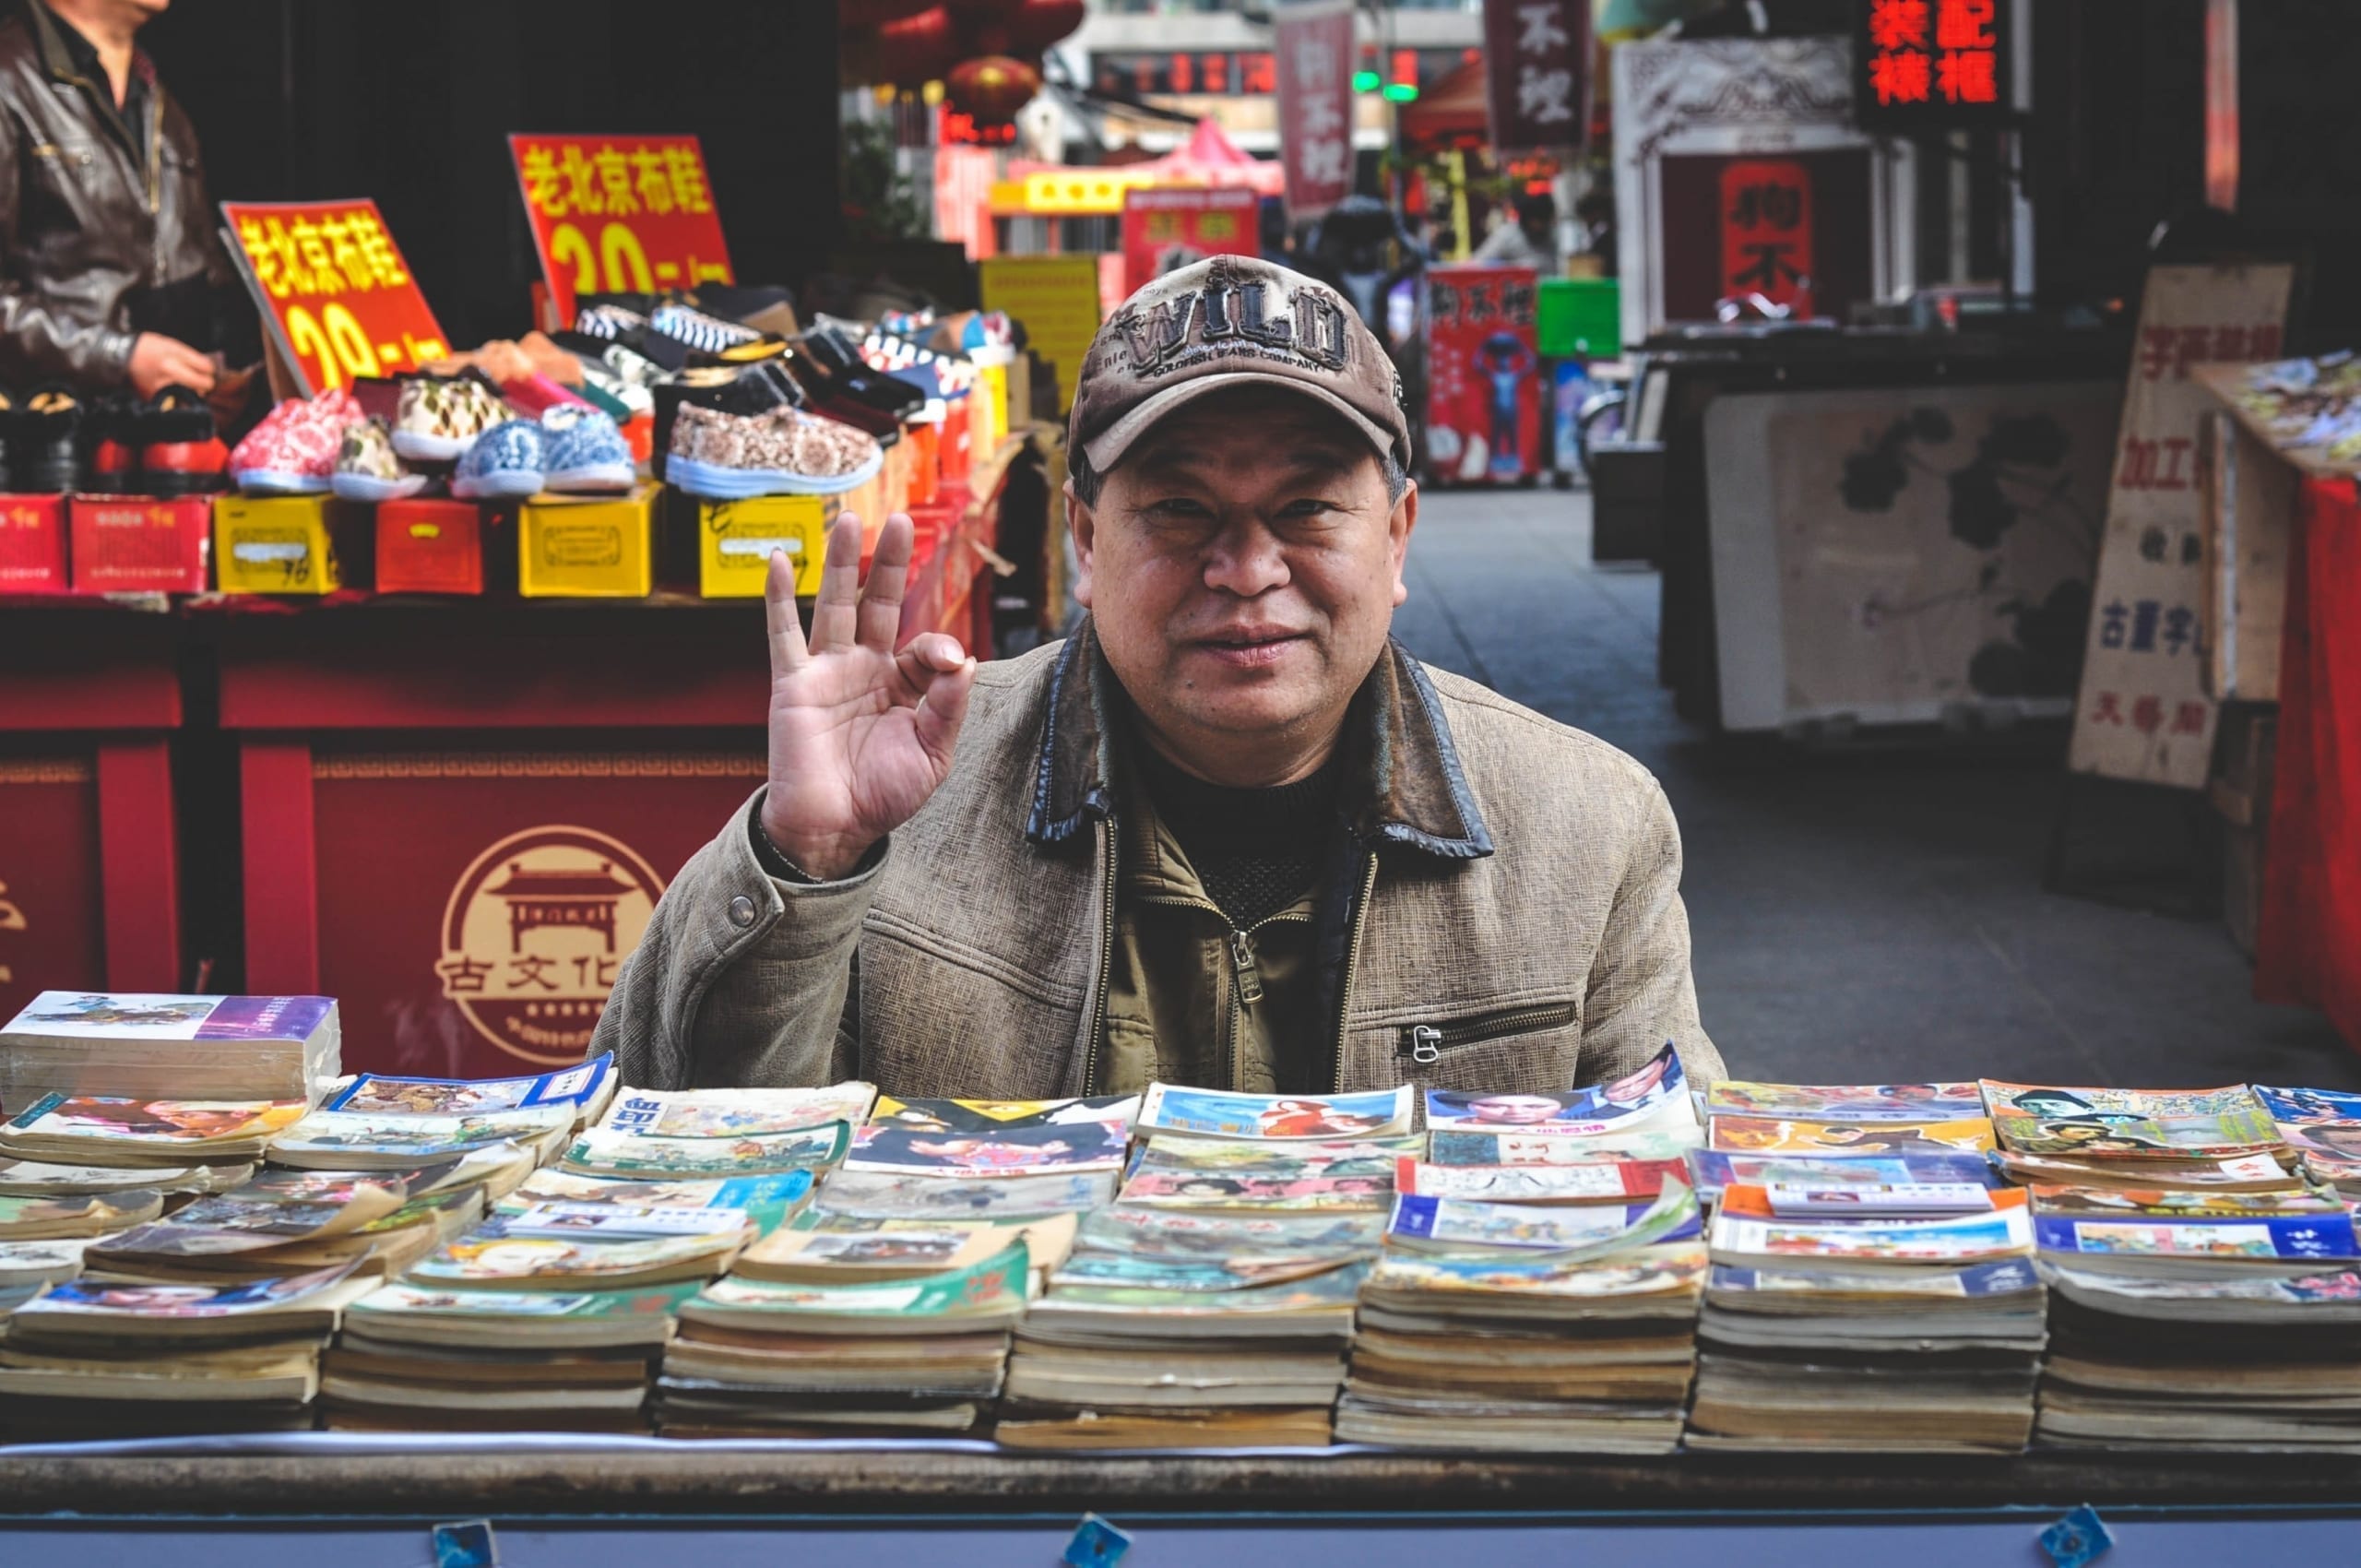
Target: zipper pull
column 1426, row 1044
column 1250, row 978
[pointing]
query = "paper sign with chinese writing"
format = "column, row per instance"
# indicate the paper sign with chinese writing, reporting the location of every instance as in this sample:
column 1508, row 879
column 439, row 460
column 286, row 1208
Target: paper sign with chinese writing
column 1483, row 386
column 1766, row 231
column 329, row 280
column 1932, row 65
column 1315, row 50
column 1056, row 298
column 1536, row 73
column 1165, row 229
column 620, row 215
column 2144, row 714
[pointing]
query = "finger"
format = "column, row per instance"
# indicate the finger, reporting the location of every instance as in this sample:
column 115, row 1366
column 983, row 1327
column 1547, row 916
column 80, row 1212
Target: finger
column 889, row 577
column 835, row 614
column 787, row 652
column 941, row 711
column 926, row 655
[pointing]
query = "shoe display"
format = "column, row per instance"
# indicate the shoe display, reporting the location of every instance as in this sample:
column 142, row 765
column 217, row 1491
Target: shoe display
column 43, row 436
column 584, row 451
column 108, row 442
column 781, row 451
column 508, row 462
column 745, row 392
column 180, row 452
column 706, row 334
column 440, row 417
column 368, row 469
column 294, row 450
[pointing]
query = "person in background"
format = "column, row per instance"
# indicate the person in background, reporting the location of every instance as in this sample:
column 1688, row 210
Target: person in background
column 112, row 274
column 1531, row 241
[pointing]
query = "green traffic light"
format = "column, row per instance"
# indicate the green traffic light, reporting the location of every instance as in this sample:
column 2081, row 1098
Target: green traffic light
column 1364, row 81
column 1402, row 92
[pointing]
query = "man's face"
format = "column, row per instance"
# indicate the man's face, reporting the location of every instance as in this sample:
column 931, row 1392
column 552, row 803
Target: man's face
column 1241, row 567
column 1521, row 1108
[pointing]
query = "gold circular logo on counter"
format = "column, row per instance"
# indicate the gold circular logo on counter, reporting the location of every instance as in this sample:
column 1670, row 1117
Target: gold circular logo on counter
column 534, row 933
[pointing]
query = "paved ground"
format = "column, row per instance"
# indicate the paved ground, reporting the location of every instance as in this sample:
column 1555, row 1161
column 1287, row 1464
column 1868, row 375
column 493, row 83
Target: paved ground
column 1857, row 916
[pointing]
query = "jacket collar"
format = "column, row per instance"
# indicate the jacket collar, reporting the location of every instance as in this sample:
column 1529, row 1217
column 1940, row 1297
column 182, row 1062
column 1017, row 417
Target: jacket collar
column 1403, row 782
column 65, row 61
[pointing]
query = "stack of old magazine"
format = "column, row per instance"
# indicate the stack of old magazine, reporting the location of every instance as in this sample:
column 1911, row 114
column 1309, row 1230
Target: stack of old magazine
column 1211, row 1305
column 549, row 1310
column 1870, row 1290
column 147, row 1047
column 2201, row 1309
column 887, row 1305
column 1544, row 1299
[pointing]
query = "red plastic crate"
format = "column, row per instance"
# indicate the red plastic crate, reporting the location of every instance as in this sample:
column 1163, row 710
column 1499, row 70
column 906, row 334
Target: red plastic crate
column 138, row 544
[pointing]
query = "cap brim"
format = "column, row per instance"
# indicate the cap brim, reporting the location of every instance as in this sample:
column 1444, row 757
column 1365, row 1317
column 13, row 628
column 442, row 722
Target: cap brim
column 1107, row 449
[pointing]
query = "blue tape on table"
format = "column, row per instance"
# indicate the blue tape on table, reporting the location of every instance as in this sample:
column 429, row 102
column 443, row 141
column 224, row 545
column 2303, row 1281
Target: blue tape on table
column 2077, row 1538
column 468, row 1544
column 1096, row 1544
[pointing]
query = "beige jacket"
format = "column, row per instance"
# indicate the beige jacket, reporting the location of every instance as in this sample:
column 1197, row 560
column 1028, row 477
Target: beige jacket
column 1514, row 921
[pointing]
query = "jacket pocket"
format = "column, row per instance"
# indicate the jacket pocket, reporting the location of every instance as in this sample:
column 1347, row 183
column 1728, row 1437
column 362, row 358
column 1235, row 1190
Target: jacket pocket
column 1426, row 1044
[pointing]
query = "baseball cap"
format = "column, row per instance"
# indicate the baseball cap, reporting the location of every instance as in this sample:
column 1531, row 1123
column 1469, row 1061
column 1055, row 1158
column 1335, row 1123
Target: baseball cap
column 1232, row 321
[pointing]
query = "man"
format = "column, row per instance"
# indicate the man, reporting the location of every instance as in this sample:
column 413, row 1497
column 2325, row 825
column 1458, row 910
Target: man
column 1228, row 834
column 109, row 264
column 1529, row 240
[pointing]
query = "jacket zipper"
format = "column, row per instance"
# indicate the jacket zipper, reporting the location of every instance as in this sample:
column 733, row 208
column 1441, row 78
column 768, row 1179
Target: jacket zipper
column 1106, row 961
column 1352, row 960
column 1246, row 975
column 1425, row 1043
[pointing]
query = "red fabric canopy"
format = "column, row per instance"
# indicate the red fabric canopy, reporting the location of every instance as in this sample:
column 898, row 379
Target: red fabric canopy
column 1451, row 112
column 1211, row 158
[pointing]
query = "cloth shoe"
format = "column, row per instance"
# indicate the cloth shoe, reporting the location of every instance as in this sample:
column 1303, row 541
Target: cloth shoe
column 439, row 417
column 180, row 451
column 510, row 461
column 781, row 451
column 367, row 468
column 294, row 450
column 584, row 451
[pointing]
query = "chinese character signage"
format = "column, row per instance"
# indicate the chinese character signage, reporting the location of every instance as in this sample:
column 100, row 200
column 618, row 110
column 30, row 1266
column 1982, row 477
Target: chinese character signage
column 1483, row 380
column 1168, row 229
column 2144, row 714
column 1933, row 65
column 1315, row 67
column 1536, row 73
column 329, row 280
column 1766, row 231
column 620, row 215
column 1057, row 298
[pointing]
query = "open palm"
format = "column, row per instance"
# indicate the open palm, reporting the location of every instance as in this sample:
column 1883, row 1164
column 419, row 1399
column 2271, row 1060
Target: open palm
column 860, row 734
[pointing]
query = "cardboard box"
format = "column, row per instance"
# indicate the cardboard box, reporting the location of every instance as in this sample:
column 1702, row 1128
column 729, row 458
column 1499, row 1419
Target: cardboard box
column 735, row 540
column 430, row 545
column 925, row 442
column 32, row 544
column 277, row 543
column 586, row 546
column 138, row 544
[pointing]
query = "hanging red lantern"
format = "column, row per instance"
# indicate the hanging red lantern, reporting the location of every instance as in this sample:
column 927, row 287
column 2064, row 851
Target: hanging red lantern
column 1034, row 25
column 853, row 14
column 917, row 49
column 992, row 90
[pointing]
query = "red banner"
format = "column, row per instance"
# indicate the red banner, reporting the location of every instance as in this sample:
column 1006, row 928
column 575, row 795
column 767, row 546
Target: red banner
column 339, row 298
column 1164, row 230
column 1483, row 381
column 1766, row 231
column 1315, row 50
column 1536, row 73
column 620, row 215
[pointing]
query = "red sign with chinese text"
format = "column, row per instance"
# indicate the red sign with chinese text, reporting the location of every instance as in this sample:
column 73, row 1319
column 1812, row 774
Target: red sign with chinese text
column 333, row 285
column 620, row 215
column 52, row 933
column 1315, row 51
column 1164, row 229
column 1483, row 374
column 1766, row 233
column 1932, row 65
column 1536, row 73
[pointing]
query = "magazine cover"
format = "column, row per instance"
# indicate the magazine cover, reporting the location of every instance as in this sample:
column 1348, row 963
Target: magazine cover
column 610, row 1221
column 785, row 1190
column 1715, row 1170
column 1847, row 1102
column 420, row 1137
column 78, row 1015
column 993, row 1284
column 489, row 1254
column 387, row 1096
column 730, row 1113
column 2298, row 1107
column 1975, row 1282
column 1974, row 1239
column 1253, row 1190
column 133, row 1301
column 1760, row 1203
column 601, row 1152
column 1014, row 1151
column 1526, row 1148
column 878, row 1195
column 1442, row 1222
column 1605, row 1181
column 2309, row 1237
column 1332, row 1289
column 1765, row 1134
column 1184, row 1233
column 1372, row 1114
column 2251, row 1172
column 1364, row 1157
column 1244, row 1271
column 2330, row 1291
column 409, row 1301
column 1676, row 1269
column 37, row 1177
column 1628, row 1101
column 194, row 1121
column 2137, row 1204
column 1877, row 1199
column 2047, row 1120
column 999, row 1115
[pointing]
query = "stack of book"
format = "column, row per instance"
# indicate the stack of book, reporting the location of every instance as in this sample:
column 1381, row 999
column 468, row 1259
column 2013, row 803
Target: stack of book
column 887, row 1305
column 93, row 1358
column 120, row 1132
column 1871, row 1290
column 2322, row 1128
column 1211, row 1307
column 170, row 1048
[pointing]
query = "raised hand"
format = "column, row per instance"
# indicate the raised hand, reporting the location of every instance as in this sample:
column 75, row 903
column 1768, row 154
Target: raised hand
column 860, row 734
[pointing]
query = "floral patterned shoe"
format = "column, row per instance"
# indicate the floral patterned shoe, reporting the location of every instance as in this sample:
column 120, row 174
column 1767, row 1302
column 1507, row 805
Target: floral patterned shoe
column 779, row 452
column 367, row 468
column 508, row 462
column 585, row 451
column 440, row 417
column 294, row 450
